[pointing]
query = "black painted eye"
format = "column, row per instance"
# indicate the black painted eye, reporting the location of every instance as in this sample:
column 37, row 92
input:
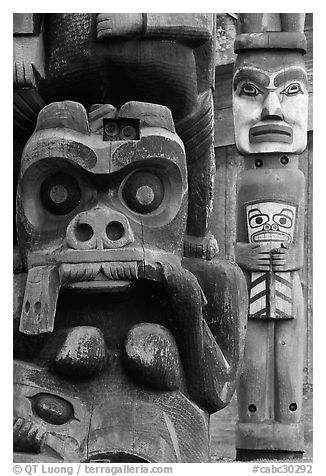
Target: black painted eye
column 292, row 90
column 249, row 89
column 256, row 218
column 60, row 193
column 111, row 129
column 143, row 192
column 128, row 133
column 283, row 220
column 52, row 409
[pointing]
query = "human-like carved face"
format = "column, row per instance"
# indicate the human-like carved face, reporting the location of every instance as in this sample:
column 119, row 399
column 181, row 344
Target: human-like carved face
column 271, row 222
column 270, row 102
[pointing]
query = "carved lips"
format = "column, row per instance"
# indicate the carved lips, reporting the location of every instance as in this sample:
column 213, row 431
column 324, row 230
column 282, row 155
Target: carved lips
column 272, row 236
column 271, row 133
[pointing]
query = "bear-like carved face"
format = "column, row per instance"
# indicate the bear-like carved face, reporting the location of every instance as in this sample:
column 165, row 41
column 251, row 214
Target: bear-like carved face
column 90, row 197
column 95, row 212
column 271, row 222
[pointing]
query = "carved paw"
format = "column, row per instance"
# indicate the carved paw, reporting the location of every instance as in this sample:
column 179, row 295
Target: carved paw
column 110, row 25
column 24, row 75
column 151, row 356
column 78, row 352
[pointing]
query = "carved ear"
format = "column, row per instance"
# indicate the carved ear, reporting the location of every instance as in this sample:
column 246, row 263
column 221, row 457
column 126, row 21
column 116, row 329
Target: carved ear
column 65, row 114
column 150, row 115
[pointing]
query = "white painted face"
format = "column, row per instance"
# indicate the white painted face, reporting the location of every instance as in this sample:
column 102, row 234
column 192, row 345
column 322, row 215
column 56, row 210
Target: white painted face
column 270, row 103
column 270, row 222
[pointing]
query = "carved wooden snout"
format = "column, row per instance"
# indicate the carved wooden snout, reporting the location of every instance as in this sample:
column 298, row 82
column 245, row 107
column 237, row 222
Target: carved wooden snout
column 99, row 228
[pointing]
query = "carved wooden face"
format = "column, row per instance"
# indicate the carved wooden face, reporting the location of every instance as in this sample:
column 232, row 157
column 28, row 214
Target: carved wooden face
column 271, row 222
column 84, row 198
column 270, row 102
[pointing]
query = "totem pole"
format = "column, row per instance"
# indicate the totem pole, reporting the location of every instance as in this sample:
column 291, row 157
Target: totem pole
column 270, row 101
column 128, row 331
column 113, row 58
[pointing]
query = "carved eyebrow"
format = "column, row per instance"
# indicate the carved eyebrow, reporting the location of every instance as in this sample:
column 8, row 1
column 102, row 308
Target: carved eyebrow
column 297, row 74
column 286, row 211
column 255, row 211
column 250, row 75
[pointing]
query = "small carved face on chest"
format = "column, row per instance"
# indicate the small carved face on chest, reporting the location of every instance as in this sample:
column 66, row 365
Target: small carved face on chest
column 270, row 222
column 270, row 102
column 101, row 187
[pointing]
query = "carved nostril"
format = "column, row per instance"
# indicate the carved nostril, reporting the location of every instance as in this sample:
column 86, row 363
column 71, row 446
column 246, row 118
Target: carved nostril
column 115, row 230
column 267, row 227
column 84, row 232
column 276, row 115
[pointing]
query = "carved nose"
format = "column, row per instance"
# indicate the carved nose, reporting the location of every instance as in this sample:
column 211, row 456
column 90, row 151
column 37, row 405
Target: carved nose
column 99, row 228
column 272, row 108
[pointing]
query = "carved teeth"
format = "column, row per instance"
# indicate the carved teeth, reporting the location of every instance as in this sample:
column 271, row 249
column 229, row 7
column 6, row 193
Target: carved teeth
column 73, row 273
column 40, row 300
column 44, row 283
column 271, row 236
column 123, row 271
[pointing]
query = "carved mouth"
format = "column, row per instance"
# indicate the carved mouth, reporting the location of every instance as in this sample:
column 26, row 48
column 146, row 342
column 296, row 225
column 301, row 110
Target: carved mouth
column 99, row 277
column 271, row 133
column 45, row 280
column 271, row 236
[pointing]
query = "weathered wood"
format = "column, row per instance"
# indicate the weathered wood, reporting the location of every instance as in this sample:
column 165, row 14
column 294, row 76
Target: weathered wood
column 271, row 40
column 270, row 233
column 230, row 163
column 224, row 128
column 28, row 49
column 191, row 28
column 306, row 275
column 27, row 23
column 133, row 346
column 40, row 300
column 152, row 354
column 78, row 46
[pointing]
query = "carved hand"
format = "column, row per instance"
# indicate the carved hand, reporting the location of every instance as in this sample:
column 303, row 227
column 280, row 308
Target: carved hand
column 252, row 256
column 287, row 258
column 118, row 24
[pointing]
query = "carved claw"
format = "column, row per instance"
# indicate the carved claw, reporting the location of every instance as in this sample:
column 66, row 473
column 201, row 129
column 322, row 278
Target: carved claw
column 28, row 436
column 118, row 24
column 200, row 247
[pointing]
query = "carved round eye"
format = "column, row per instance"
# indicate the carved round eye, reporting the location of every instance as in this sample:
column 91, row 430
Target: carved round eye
column 111, row 129
column 143, row 192
column 249, row 89
column 258, row 220
column 128, row 133
column 60, row 193
column 52, row 409
column 283, row 220
column 292, row 90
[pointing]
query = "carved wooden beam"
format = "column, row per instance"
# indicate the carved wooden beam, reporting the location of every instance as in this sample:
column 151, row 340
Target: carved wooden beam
column 270, row 101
